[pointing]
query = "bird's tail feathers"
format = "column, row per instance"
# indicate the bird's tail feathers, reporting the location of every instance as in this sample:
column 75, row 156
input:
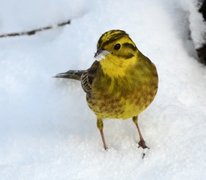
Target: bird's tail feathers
column 71, row 74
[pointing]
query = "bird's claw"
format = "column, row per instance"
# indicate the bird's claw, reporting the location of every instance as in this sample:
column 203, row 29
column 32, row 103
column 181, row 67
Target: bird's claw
column 105, row 148
column 142, row 144
column 143, row 155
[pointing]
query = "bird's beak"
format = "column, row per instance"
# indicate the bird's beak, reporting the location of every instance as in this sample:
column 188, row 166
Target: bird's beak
column 100, row 54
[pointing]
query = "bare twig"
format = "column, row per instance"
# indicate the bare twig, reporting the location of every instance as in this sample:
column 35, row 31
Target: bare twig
column 34, row 31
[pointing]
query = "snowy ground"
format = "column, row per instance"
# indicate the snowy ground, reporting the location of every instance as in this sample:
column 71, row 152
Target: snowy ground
column 46, row 129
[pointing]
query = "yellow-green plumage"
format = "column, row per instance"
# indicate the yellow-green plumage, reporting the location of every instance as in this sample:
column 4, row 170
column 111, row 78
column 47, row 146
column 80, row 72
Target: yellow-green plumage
column 124, row 96
column 121, row 84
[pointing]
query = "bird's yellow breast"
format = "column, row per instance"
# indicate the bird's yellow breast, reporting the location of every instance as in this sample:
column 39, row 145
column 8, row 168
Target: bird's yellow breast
column 125, row 91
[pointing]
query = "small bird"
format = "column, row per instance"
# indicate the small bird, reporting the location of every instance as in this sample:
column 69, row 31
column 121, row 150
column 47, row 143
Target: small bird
column 121, row 82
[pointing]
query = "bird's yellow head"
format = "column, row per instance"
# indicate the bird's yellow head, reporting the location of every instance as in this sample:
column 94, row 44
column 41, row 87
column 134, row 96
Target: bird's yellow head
column 116, row 52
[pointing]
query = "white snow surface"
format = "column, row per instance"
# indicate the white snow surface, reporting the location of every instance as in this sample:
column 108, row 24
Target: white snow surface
column 47, row 130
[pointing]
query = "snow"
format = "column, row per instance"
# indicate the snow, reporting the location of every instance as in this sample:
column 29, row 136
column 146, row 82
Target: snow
column 196, row 21
column 47, row 130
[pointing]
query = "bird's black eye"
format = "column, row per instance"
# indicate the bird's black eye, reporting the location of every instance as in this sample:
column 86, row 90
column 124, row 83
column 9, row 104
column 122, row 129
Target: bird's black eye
column 117, row 46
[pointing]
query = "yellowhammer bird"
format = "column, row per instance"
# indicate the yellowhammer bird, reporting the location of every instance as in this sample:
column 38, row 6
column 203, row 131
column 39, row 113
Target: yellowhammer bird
column 121, row 82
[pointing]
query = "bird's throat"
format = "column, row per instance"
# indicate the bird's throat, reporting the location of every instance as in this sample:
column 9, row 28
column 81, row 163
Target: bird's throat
column 116, row 67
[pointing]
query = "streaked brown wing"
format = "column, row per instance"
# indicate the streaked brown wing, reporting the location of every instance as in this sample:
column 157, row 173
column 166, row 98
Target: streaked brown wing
column 88, row 76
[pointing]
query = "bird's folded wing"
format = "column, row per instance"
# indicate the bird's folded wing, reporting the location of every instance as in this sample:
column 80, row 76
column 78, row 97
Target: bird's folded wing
column 88, row 76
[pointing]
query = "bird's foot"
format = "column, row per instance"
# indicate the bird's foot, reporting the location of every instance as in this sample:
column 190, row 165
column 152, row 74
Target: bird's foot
column 142, row 144
column 105, row 148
